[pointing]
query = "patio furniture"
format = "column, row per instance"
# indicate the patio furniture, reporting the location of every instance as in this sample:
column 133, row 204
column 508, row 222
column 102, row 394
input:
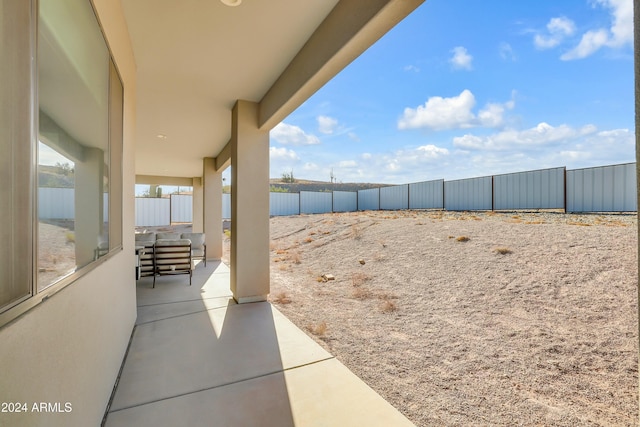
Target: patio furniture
column 147, row 241
column 172, row 257
column 198, row 245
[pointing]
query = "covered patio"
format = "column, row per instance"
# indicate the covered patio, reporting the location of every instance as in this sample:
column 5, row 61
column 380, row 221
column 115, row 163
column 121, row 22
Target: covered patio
column 199, row 358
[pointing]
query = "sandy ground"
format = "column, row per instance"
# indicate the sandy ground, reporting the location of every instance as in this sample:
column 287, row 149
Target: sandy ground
column 480, row 319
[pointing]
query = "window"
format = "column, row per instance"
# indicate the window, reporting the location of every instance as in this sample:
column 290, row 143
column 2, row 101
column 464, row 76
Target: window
column 64, row 171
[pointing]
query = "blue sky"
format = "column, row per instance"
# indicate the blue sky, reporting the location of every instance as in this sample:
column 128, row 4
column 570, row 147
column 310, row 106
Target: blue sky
column 463, row 88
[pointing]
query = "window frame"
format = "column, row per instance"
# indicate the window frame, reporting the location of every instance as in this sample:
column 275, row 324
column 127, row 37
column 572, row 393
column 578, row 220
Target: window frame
column 14, row 309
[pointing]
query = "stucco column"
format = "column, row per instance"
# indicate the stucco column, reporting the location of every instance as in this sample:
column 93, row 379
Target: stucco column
column 197, row 224
column 249, row 205
column 212, row 190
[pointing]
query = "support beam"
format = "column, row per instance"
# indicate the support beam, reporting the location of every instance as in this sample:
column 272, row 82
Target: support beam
column 212, row 209
column 164, row 180
column 249, row 205
column 197, row 225
column 350, row 29
column 223, row 160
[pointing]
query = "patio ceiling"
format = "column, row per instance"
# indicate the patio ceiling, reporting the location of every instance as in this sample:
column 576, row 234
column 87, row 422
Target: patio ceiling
column 195, row 58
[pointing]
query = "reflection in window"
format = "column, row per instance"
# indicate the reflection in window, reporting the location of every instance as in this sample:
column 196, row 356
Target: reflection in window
column 73, row 155
column 56, row 213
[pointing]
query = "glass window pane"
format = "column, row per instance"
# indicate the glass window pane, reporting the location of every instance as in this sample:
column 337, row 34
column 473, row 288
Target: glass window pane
column 73, row 90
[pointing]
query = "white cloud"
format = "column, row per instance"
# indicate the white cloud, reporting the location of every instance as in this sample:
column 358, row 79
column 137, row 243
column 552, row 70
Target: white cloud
column 492, row 115
column 622, row 17
column 618, row 35
column 412, row 68
column 432, row 152
column 353, row 136
column 348, row 164
column 282, row 153
column 557, row 30
column 461, row 60
column 402, row 165
column 292, row 135
column 506, row 52
column 540, row 136
column 327, row 125
column 440, row 113
column 591, row 41
column 454, row 113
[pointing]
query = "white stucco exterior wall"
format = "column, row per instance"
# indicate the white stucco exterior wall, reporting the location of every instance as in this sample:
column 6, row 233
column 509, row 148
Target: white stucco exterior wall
column 67, row 351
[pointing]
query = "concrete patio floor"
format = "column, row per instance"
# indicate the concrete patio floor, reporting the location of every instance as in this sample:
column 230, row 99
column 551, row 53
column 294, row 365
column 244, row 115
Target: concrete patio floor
column 199, row 359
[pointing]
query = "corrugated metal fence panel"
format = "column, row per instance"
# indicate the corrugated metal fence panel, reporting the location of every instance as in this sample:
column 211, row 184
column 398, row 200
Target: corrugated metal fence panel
column 181, row 208
column 602, row 189
column 56, row 203
column 394, row 197
column 151, row 212
column 468, row 194
column 427, row 195
column 315, row 202
column 369, row 199
column 539, row 189
column 283, row 204
column 226, row 206
column 345, row 201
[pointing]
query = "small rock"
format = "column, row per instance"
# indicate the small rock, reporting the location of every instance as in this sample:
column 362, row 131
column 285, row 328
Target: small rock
column 328, row 277
column 361, row 261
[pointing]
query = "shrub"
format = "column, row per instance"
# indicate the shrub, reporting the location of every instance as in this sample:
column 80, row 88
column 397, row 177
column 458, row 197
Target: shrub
column 503, row 251
column 358, row 279
column 282, row 298
column 319, row 329
column 388, row 306
column 356, row 231
column 361, row 292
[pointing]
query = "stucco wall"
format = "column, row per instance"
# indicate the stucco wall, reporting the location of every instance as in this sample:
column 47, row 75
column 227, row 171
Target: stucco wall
column 67, row 351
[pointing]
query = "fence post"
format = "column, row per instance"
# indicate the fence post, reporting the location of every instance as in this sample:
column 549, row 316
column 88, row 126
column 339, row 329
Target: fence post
column 565, row 189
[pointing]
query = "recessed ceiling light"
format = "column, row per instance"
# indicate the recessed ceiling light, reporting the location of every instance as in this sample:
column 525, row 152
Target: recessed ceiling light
column 231, row 2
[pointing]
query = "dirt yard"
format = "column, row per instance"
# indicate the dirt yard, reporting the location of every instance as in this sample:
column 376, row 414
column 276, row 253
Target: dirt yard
column 462, row 319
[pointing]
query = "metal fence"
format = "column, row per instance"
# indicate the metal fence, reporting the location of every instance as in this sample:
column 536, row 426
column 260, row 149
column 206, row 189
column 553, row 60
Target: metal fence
column 152, row 212
column 226, row 206
column 345, row 201
column 598, row 189
column 59, row 203
column 369, row 200
column 282, row 204
column 472, row 194
column 181, row 208
column 539, row 189
column 312, row 202
column 602, row 189
column 427, row 195
column 395, row 197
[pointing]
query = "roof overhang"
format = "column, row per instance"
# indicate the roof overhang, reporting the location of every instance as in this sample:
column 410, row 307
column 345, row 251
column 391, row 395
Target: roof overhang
column 196, row 58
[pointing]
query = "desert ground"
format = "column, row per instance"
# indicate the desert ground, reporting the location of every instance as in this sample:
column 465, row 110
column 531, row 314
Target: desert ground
column 460, row 319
